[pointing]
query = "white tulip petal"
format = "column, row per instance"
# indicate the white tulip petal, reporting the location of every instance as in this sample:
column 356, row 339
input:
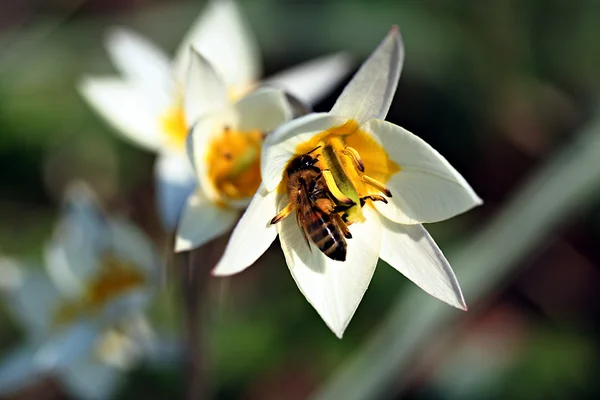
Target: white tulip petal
column 263, row 109
column 17, row 370
column 221, row 35
column 205, row 91
column 175, row 182
column 67, row 345
column 280, row 146
column 202, row 221
column 72, row 256
column 144, row 65
column 130, row 303
column 129, row 112
column 34, row 304
column 412, row 251
column 333, row 288
column 252, row 236
column 88, row 379
column 11, row 275
column 313, row 80
column 370, row 92
column 129, row 244
column 427, row 188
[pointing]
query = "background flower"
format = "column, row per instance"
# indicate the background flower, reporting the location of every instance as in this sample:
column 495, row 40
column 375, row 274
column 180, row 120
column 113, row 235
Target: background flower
column 146, row 104
column 84, row 319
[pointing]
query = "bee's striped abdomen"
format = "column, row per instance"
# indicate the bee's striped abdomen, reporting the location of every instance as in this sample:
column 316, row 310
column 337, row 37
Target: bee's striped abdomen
column 327, row 236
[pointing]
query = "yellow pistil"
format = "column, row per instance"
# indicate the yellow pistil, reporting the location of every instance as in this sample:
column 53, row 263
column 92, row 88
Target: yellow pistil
column 174, row 126
column 233, row 160
column 114, row 279
column 358, row 164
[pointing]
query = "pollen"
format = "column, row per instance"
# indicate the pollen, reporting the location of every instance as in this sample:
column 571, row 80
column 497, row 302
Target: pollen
column 233, row 160
column 114, row 278
column 358, row 164
column 174, row 126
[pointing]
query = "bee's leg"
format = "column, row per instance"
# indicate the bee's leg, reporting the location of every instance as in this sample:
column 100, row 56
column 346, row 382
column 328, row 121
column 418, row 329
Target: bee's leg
column 377, row 185
column 335, row 191
column 355, row 157
column 283, row 213
column 372, row 197
column 340, row 222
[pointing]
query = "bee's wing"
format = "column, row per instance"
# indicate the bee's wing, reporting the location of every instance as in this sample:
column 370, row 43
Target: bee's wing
column 303, row 215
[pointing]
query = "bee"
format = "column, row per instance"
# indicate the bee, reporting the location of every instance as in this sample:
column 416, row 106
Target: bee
column 317, row 213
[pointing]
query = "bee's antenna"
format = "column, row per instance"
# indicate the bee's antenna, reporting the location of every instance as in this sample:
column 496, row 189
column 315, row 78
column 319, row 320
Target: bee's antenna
column 313, row 150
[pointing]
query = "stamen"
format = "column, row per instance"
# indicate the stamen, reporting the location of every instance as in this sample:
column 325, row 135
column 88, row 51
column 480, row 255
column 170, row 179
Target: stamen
column 283, row 213
column 372, row 197
column 335, row 191
column 355, row 157
column 377, row 185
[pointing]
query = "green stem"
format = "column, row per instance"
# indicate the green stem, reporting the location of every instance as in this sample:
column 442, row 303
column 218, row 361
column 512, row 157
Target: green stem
column 567, row 185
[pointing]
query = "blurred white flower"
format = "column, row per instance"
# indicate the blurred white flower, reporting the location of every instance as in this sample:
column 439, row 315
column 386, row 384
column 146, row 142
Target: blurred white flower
column 224, row 147
column 146, row 105
column 380, row 183
column 85, row 320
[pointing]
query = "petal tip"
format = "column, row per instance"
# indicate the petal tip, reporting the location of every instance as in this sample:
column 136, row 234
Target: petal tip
column 182, row 245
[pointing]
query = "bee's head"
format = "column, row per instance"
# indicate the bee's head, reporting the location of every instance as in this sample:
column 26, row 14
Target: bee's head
column 305, row 161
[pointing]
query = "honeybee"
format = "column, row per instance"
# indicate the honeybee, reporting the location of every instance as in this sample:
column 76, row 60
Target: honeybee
column 317, row 214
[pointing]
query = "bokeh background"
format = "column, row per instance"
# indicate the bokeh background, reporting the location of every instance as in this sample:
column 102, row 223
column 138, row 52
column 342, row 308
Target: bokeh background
column 500, row 88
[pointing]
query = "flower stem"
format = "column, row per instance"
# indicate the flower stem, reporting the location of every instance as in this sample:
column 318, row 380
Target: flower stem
column 194, row 281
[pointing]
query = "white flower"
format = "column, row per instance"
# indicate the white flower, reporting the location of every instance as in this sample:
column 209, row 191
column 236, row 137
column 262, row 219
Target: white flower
column 224, row 147
column 102, row 272
column 146, row 103
column 384, row 182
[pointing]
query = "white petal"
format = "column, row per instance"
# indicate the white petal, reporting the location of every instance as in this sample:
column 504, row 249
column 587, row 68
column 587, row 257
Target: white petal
column 67, row 345
column 252, row 236
column 144, row 65
column 17, row 370
column 72, row 256
column 280, row 146
column 313, row 80
column 88, row 379
column 221, row 35
column 263, row 109
column 370, row 92
column 175, row 181
column 201, row 222
column 205, row 91
column 11, row 275
column 34, row 304
column 412, row 251
column 126, row 109
column 130, row 244
column 334, row 288
column 427, row 188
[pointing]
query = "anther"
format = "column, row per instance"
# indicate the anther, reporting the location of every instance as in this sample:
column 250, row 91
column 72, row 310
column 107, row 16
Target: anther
column 372, row 197
column 355, row 157
column 377, row 185
column 335, row 191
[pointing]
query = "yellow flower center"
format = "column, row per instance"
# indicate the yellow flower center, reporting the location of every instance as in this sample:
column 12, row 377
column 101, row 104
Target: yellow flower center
column 114, row 279
column 356, row 165
column 174, row 126
column 233, row 160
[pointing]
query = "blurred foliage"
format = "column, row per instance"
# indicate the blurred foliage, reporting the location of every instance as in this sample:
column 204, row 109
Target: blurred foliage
column 494, row 86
